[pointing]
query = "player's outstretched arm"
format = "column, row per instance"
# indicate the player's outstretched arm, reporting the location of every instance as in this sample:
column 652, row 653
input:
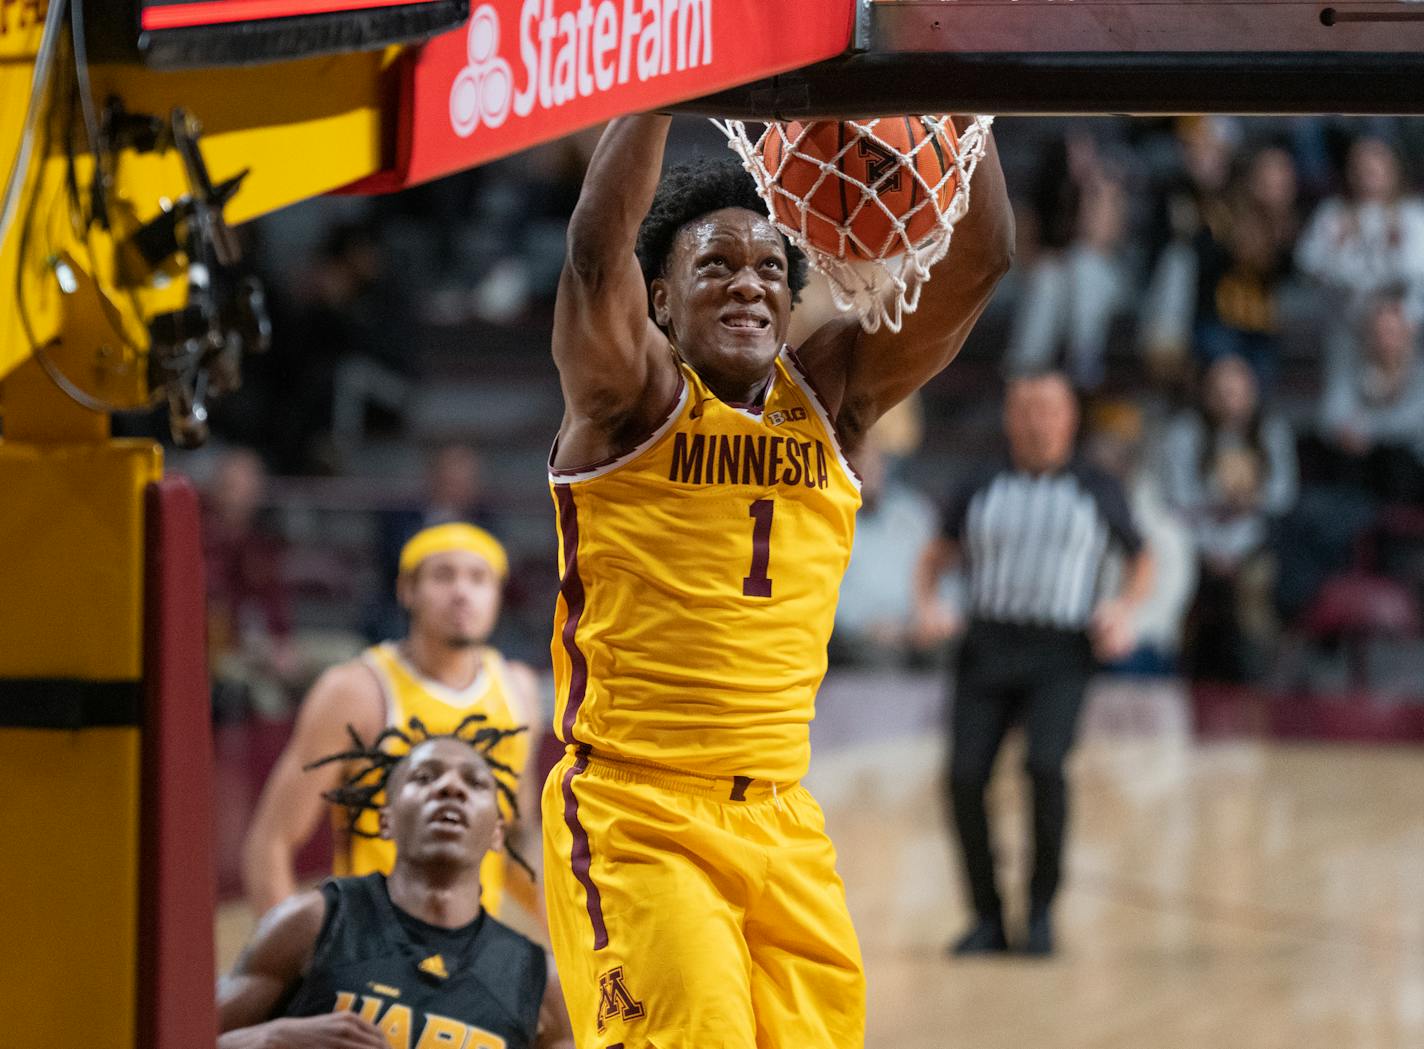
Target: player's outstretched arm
column 864, row 374
column 269, row 969
column 613, row 365
column 291, row 805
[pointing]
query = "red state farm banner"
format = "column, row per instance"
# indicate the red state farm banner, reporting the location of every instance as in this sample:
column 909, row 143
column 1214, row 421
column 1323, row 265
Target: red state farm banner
column 522, row 72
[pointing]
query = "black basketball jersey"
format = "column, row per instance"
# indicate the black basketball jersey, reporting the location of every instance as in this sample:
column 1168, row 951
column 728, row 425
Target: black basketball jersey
column 479, row 987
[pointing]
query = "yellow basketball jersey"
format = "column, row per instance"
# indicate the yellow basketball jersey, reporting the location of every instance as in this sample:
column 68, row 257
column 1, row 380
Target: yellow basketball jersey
column 699, row 581
column 441, row 709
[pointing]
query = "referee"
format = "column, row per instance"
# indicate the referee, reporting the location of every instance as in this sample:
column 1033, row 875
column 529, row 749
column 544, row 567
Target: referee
column 1033, row 534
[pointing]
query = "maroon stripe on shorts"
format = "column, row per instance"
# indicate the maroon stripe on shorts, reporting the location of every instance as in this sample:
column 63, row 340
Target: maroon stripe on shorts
column 571, row 590
column 580, row 855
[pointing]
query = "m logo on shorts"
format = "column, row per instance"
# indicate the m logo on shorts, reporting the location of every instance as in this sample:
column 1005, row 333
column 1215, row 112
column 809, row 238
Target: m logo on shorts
column 615, row 1000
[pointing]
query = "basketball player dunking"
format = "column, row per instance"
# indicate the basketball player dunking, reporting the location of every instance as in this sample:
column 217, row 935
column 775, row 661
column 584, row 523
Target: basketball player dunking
column 706, row 500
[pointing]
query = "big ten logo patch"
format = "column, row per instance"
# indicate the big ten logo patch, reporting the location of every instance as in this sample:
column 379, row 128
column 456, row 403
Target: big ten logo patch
column 790, row 415
column 614, row 999
column 483, row 89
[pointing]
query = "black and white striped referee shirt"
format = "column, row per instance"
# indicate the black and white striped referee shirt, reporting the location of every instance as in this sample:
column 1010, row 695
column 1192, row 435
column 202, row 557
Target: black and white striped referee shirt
column 1034, row 545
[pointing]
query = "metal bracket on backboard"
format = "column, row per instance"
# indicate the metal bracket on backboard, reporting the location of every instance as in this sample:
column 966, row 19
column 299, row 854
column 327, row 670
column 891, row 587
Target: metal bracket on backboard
column 863, row 35
column 1108, row 56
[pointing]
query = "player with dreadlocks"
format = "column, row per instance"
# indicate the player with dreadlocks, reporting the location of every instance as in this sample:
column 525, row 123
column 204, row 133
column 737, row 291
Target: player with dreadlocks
column 362, row 790
column 411, row 958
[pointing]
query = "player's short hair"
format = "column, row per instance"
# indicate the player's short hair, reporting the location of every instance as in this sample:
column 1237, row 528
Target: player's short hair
column 375, row 767
column 689, row 191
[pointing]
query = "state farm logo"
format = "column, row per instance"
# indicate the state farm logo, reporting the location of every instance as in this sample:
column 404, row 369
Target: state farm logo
column 482, row 89
column 574, row 53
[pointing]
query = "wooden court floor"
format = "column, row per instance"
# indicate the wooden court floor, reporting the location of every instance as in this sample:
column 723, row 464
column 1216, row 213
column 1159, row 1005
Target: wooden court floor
column 1241, row 895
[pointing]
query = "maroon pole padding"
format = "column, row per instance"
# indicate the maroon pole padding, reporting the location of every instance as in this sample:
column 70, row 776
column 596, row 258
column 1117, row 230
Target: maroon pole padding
column 176, row 873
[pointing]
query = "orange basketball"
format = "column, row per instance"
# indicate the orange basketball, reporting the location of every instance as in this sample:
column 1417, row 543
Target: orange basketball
column 836, row 204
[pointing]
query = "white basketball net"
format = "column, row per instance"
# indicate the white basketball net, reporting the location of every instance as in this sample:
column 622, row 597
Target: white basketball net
column 885, row 284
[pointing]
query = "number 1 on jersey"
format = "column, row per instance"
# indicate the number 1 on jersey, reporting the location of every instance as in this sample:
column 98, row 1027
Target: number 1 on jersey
column 756, row 584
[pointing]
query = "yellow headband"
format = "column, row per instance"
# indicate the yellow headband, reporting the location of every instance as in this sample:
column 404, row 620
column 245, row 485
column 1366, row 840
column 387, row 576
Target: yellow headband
column 443, row 538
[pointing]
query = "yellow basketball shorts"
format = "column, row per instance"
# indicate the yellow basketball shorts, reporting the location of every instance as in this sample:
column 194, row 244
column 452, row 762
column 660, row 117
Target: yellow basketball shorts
column 689, row 912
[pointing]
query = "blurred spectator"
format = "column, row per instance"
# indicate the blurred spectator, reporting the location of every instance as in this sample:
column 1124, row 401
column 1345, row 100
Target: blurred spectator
column 250, row 651
column 1370, row 238
column 1073, row 282
column 504, row 242
column 1115, row 444
column 875, row 616
column 343, row 348
column 1244, row 256
column 1372, row 412
column 453, row 492
column 1319, row 144
column 1230, row 471
column 1190, row 199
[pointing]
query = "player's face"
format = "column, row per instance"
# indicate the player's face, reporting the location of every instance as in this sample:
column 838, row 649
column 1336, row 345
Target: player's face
column 725, row 299
column 442, row 805
column 453, row 598
column 1041, row 419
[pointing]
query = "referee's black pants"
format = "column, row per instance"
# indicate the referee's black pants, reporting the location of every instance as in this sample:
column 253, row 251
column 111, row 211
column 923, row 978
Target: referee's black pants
column 1006, row 673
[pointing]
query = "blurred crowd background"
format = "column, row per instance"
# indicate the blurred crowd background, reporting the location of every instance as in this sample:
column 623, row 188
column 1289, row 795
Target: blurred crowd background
column 1237, row 301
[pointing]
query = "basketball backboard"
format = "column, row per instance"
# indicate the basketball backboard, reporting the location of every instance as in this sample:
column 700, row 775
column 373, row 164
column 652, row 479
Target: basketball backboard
column 1109, row 56
column 169, row 34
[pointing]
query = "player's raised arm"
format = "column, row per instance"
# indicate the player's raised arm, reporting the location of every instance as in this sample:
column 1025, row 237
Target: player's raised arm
column 610, row 355
column 864, row 374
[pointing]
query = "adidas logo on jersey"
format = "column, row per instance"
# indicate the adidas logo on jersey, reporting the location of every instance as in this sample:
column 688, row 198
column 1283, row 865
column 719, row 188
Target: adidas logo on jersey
column 434, row 966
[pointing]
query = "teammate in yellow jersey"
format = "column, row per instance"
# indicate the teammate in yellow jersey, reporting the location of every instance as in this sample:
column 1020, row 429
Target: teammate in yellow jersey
column 441, row 672
column 706, row 499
